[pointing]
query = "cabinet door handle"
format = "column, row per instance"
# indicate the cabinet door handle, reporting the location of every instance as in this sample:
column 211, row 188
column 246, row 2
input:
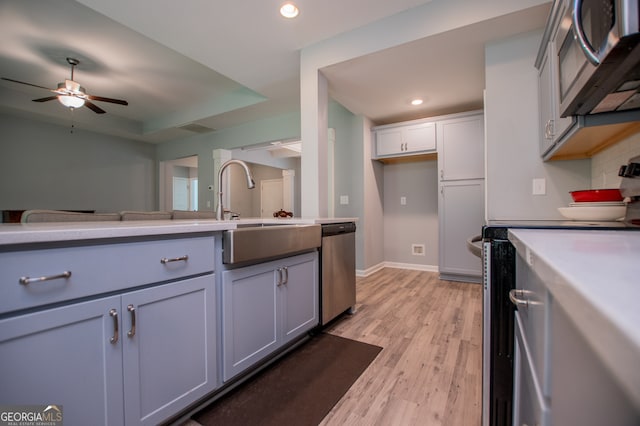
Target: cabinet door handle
column 132, row 311
column 29, row 280
column 547, row 133
column 165, row 260
column 286, row 275
column 279, row 281
column 114, row 314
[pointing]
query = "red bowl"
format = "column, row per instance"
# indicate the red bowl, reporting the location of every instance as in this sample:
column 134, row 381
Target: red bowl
column 596, row 195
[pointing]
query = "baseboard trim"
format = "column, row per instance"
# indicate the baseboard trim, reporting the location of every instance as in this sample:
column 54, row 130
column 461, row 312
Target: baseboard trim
column 370, row 270
column 397, row 265
column 461, row 278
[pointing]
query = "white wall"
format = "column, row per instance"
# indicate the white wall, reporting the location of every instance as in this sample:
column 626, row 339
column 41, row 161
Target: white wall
column 417, row 221
column 45, row 166
column 370, row 240
column 282, row 127
column 243, row 200
column 513, row 134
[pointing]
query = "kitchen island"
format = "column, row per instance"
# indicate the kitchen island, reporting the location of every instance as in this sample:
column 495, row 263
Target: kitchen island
column 130, row 322
column 577, row 336
column 23, row 233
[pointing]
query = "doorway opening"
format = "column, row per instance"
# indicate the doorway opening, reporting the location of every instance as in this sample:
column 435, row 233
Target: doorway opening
column 179, row 184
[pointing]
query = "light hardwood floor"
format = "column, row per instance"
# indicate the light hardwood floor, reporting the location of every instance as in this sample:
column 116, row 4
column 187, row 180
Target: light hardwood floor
column 430, row 369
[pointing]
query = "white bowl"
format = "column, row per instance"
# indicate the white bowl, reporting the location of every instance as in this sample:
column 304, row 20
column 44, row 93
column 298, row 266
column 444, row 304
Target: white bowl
column 597, row 204
column 600, row 213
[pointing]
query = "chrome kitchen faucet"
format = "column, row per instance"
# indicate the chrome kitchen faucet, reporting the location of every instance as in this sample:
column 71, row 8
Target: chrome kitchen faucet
column 250, row 183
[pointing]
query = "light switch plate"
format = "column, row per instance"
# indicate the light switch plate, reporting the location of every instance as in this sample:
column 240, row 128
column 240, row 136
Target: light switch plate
column 539, row 186
column 403, row 201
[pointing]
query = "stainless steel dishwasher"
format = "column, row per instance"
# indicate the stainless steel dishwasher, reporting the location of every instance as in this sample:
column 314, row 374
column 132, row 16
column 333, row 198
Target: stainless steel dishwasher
column 338, row 270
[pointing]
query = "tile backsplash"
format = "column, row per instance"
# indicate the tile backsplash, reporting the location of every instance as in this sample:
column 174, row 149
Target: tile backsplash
column 605, row 164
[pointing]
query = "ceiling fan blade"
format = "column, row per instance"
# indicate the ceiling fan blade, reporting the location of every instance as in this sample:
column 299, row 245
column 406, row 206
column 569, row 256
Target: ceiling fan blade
column 28, row 84
column 113, row 101
column 93, row 107
column 48, row 98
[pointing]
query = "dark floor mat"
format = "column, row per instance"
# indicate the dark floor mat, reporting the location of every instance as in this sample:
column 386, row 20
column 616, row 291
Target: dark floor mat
column 299, row 389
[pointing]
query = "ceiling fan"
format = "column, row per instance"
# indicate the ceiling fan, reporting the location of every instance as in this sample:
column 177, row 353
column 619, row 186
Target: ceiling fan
column 71, row 94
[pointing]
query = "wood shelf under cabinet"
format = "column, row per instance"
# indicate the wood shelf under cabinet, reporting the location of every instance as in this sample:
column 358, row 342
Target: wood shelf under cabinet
column 409, row 158
column 587, row 142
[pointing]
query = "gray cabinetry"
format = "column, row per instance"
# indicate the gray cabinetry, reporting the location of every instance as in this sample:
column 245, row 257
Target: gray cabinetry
column 572, row 137
column 461, row 216
column 552, row 126
column 115, row 355
column 461, row 203
column 63, row 356
column 264, row 307
column 461, row 149
column 559, row 379
column 531, row 381
column 170, row 361
column 530, row 406
column 583, row 390
column 405, row 139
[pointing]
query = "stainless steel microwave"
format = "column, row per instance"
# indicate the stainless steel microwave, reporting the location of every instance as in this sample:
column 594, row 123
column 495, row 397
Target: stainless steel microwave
column 598, row 52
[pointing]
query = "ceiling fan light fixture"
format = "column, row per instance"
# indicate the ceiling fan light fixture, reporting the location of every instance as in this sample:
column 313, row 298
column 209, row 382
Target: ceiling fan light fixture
column 70, row 101
column 289, row 10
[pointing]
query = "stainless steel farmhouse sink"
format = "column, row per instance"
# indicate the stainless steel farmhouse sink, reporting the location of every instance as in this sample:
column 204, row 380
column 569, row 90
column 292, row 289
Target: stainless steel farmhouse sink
column 252, row 244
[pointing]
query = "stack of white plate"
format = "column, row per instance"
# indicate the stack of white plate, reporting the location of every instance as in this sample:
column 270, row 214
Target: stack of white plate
column 600, row 211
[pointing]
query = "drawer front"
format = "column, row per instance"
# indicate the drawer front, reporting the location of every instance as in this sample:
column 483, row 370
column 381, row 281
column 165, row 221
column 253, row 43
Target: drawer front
column 97, row 269
column 530, row 406
column 534, row 319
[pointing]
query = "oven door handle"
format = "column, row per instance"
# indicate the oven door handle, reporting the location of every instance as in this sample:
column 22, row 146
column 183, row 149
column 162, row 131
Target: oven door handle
column 517, row 297
column 576, row 16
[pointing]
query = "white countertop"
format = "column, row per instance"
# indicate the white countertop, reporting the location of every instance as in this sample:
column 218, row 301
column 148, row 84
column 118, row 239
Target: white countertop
column 25, row 233
column 595, row 276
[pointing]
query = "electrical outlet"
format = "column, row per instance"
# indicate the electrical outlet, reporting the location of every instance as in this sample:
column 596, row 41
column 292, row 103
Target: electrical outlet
column 403, row 201
column 344, row 199
column 417, row 249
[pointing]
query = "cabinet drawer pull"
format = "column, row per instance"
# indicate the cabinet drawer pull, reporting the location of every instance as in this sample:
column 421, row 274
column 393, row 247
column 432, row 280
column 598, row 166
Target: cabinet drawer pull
column 114, row 314
column 132, row 311
column 165, row 260
column 29, row 280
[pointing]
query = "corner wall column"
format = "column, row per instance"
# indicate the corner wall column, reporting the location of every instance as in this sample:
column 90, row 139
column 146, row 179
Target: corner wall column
column 314, row 99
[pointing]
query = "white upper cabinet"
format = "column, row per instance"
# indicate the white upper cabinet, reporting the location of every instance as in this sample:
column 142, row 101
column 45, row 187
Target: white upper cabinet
column 461, row 148
column 552, row 126
column 405, row 139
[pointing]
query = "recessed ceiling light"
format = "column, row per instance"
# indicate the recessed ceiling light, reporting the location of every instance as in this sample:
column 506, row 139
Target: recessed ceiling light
column 416, row 102
column 289, row 10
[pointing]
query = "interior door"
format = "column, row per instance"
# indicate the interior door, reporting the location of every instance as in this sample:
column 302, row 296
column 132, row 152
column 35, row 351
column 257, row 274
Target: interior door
column 271, row 197
column 180, row 193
